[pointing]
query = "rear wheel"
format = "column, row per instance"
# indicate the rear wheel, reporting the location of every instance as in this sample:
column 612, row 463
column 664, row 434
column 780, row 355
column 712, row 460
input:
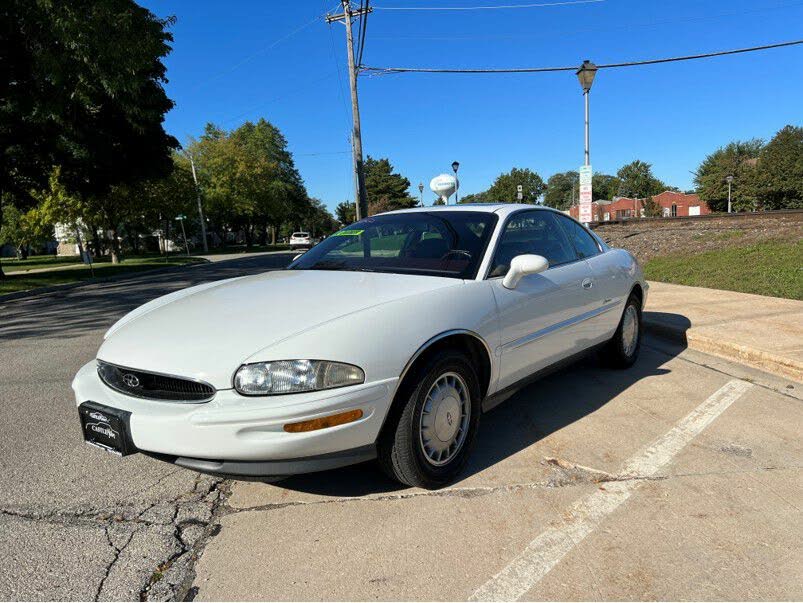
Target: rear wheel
column 427, row 440
column 623, row 349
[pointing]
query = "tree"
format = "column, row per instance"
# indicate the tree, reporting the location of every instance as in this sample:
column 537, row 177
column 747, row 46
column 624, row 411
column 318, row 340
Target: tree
column 504, row 190
column 386, row 189
column 652, row 209
column 779, row 171
column 24, row 229
column 83, row 91
column 249, row 179
column 637, row 181
column 737, row 159
column 604, row 186
column 474, row 198
column 346, row 213
column 562, row 190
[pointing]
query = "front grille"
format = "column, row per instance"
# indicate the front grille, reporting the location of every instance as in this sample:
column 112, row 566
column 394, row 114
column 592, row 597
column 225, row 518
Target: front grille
column 153, row 386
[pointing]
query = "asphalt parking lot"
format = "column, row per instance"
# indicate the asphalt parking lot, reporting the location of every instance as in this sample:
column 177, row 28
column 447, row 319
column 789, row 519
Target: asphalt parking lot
column 677, row 479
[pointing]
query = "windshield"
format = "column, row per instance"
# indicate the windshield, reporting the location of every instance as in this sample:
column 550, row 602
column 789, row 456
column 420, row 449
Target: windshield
column 443, row 243
column 300, row 235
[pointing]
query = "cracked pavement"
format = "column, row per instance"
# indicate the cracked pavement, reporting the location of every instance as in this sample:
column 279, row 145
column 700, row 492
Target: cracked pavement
column 76, row 523
column 721, row 520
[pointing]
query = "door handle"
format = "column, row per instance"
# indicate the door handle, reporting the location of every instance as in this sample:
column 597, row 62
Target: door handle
column 588, row 283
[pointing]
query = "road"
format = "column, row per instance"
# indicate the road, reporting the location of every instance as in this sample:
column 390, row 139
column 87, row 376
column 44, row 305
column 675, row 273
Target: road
column 677, row 479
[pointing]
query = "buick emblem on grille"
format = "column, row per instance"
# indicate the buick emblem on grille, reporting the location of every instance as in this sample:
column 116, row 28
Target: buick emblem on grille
column 131, row 380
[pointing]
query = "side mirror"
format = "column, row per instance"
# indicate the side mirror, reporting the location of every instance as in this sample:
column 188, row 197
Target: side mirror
column 522, row 265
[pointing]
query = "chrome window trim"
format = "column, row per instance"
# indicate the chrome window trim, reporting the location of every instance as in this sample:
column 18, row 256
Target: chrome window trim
column 160, row 400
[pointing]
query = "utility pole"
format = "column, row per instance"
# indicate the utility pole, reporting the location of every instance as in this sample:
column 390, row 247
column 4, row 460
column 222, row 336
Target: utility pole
column 200, row 207
column 360, row 196
column 729, row 178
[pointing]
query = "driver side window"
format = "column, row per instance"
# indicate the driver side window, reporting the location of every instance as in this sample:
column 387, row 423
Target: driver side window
column 534, row 232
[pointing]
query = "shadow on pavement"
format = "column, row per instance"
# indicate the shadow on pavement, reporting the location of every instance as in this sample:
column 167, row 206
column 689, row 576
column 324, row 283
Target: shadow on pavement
column 532, row 414
column 78, row 312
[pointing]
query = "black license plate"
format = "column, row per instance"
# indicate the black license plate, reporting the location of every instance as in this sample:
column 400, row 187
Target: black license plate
column 106, row 428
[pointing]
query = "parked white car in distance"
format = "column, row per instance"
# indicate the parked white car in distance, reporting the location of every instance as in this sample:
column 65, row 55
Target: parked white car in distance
column 300, row 239
column 387, row 340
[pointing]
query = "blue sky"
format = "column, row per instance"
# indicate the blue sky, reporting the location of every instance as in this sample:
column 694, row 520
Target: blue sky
column 237, row 61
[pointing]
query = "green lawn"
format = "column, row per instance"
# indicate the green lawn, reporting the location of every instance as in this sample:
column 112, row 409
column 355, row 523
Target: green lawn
column 69, row 272
column 773, row 268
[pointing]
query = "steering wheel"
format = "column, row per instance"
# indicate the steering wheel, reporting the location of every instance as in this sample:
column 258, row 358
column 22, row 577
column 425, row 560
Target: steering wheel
column 456, row 252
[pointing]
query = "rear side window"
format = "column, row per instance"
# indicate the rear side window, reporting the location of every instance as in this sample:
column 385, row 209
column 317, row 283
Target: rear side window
column 582, row 240
column 533, row 232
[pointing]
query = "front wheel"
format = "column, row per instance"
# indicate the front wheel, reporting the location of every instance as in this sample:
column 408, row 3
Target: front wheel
column 623, row 349
column 429, row 440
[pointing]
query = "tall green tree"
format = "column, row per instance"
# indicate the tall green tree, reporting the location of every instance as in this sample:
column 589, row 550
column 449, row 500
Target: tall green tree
column 604, row 186
column 346, row 213
column 504, row 190
column 387, row 190
column 779, row 172
column 83, row 91
column 737, row 159
column 562, row 190
column 249, row 179
column 636, row 180
column 475, row 198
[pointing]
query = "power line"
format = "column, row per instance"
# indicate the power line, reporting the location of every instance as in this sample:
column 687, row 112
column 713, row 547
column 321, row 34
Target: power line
column 507, row 6
column 321, row 153
column 363, row 27
column 576, row 31
column 259, row 52
column 339, row 77
column 384, row 70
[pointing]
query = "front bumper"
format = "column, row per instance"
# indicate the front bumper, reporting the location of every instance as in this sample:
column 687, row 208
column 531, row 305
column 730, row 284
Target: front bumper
column 232, row 431
column 277, row 469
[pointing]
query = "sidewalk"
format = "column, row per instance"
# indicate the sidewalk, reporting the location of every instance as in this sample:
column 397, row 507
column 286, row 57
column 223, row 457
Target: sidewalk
column 762, row 332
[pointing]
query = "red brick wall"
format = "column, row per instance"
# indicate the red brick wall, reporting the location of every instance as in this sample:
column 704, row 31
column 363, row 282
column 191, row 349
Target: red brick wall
column 625, row 207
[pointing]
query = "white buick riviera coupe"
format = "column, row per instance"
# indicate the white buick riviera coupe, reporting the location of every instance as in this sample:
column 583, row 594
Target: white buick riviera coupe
column 387, row 340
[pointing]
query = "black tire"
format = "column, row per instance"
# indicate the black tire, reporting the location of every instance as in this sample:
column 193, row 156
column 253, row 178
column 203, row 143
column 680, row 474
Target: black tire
column 401, row 450
column 616, row 353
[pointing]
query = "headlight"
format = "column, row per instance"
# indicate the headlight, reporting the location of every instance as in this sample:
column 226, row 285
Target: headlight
column 294, row 376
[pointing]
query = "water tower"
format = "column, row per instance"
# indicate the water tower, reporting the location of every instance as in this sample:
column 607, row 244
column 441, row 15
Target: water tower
column 444, row 185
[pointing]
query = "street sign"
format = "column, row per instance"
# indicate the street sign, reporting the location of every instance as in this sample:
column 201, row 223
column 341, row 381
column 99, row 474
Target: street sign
column 519, row 192
column 586, row 196
column 585, row 175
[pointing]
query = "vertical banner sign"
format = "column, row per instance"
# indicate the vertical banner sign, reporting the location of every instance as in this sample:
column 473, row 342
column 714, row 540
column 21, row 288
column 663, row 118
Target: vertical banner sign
column 585, row 194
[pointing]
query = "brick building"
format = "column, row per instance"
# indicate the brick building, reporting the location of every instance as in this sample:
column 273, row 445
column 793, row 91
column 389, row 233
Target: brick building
column 672, row 204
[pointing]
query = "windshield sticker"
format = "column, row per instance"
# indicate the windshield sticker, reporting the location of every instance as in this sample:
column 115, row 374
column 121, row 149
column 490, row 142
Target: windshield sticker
column 348, row 233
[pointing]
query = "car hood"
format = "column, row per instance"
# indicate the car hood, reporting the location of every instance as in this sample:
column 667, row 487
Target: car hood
column 208, row 331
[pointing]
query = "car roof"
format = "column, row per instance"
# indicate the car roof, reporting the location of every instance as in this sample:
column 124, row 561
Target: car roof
column 502, row 209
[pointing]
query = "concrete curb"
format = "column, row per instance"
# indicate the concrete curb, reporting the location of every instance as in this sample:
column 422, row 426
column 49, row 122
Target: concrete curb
column 787, row 368
column 43, row 291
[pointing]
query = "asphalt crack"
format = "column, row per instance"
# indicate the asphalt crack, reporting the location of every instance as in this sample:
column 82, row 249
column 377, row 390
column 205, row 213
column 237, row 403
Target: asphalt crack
column 154, row 546
column 566, row 474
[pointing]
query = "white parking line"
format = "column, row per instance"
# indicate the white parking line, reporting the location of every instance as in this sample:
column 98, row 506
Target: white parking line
column 547, row 550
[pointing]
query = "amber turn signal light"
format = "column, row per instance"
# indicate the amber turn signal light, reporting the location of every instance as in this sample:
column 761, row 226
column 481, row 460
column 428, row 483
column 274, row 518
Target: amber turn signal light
column 324, row 422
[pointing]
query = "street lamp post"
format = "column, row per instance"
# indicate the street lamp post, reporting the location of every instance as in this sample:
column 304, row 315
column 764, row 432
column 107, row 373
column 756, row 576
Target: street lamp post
column 455, row 165
column 729, row 178
column 586, row 75
column 421, row 193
